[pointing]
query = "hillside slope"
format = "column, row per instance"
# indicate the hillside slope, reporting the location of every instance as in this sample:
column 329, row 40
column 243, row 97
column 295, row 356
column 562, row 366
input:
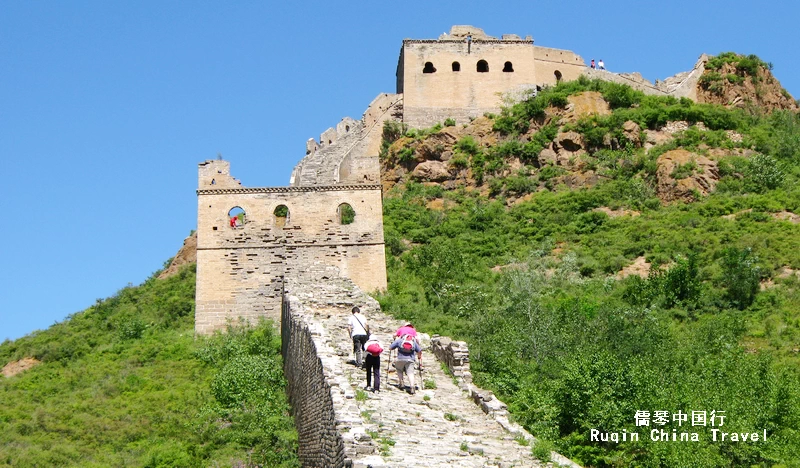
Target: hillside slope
column 607, row 253
column 125, row 383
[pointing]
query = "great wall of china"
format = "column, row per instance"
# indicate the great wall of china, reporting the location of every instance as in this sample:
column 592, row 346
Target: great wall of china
column 304, row 254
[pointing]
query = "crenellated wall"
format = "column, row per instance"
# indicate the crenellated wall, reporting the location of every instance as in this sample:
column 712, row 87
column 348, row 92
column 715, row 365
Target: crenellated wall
column 348, row 154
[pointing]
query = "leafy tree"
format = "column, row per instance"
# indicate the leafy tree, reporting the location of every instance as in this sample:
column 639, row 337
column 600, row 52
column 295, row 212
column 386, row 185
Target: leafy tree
column 741, row 276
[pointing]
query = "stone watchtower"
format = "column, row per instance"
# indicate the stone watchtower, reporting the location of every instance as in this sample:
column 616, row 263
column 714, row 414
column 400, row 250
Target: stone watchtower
column 464, row 74
column 249, row 239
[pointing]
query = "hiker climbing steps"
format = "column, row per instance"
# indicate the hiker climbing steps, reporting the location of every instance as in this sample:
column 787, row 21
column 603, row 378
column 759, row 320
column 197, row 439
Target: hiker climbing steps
column 446, row 422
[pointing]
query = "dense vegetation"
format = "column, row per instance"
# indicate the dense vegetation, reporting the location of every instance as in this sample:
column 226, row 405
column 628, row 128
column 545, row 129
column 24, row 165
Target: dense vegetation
column 571, row 346
column 125, row 383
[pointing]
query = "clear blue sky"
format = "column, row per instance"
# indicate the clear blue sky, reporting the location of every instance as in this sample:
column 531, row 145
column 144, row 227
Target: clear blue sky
column 107, row 107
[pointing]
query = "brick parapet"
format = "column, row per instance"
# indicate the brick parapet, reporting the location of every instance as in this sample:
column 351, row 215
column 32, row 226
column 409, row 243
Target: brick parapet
column 455, row 355
column 332, row 432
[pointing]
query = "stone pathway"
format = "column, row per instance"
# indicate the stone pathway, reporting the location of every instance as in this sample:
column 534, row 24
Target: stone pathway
column 439, row 426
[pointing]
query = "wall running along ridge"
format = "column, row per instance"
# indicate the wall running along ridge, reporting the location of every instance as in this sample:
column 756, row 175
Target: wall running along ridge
column 308, row 268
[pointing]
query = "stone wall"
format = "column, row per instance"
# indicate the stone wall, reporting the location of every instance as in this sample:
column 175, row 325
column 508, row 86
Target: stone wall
column 441, row 78
column 348, row 154
column 455, row 355
column 240, row 270
column 331, row 430
column 310, row 392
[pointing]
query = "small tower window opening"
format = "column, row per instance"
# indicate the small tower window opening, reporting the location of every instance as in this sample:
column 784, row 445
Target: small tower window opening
column 456, row 66
column 213, row 181
column 429, row 68
column 483, row 66
column 281, row 215
column 346, row 214
column 236, row 217
column 508, row 67
column 558, row 75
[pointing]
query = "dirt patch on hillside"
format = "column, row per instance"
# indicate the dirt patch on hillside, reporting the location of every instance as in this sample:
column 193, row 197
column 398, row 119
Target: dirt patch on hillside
column 617, row 213
column 639, row 267
column 13, row 368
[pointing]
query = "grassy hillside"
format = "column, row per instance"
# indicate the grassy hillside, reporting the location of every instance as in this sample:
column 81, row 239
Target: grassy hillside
column 125, row 383
column 507, row 256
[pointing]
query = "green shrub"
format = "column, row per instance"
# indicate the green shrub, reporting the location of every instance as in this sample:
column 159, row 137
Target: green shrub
column 245, row 378
column 541, row 450
column 741, row 276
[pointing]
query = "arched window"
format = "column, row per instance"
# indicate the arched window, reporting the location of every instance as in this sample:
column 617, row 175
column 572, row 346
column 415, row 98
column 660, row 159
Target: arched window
column 281, row 215
column 236, row 217
column 483, row 66
column 213, row 181
column 558, row 75
column 429, row 68
column 456, row 66
column 508, row 67
column 346, row 214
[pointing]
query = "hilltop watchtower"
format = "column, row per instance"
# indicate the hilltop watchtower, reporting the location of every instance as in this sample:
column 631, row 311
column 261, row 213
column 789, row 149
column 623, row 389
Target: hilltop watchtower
column 465, row 73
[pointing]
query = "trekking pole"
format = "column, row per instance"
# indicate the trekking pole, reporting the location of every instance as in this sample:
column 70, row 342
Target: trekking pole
column 419, row 368
column 388, row 365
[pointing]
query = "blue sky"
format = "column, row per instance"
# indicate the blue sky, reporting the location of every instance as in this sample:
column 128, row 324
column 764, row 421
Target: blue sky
column 107, row 107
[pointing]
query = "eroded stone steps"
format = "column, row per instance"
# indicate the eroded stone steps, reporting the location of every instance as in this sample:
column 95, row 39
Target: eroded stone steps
column 436, row 427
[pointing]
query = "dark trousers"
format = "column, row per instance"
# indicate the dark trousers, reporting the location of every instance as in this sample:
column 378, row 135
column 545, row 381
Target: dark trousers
column 358, row 347
column 373, row 366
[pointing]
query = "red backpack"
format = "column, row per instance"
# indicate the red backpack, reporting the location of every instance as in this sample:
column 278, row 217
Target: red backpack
column 407, row 346
column 374, row 348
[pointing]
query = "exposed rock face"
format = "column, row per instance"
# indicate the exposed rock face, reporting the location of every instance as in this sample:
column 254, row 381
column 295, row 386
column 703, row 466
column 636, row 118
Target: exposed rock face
column 563, row 150
column 632, row 132
column 585, row 104
column 187, row 254
column 702, row 178
column 578, row 180
column 433, row 146
column 433, row 171
column 763, row 90
column 569, row 141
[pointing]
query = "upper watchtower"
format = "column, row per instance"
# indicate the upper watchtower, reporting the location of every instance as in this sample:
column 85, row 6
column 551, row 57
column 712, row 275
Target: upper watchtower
column 464, row 74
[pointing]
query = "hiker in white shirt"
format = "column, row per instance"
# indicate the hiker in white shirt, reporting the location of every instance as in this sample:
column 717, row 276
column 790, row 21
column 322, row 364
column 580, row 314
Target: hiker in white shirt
column 359, row 331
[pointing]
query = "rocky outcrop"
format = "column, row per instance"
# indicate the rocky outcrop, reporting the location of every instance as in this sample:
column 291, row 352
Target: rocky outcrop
column 682, row 175
column 731, row 87
column 186, row 255
column 431, row 171
column 583, row 105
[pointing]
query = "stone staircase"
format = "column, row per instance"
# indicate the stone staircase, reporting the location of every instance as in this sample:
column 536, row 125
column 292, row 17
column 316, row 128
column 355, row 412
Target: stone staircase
column 350, row 138
column 448, row 422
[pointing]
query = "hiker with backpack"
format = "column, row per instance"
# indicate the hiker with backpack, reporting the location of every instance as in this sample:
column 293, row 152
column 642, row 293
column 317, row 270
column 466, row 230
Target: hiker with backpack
column 357, row 326
column 407, row 347
column 408, row 329
column 372, row 362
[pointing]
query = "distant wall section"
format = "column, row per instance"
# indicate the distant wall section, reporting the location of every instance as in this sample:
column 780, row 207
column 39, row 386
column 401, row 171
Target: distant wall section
column 466, row 73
